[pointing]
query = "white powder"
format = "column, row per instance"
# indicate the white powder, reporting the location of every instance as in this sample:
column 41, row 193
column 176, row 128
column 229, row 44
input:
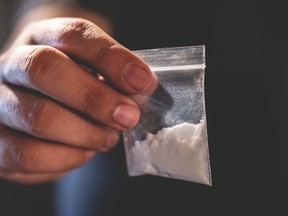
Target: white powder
column 176, row 152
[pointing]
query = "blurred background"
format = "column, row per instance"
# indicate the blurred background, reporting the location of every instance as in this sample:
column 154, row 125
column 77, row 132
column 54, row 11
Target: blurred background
column 247, row 111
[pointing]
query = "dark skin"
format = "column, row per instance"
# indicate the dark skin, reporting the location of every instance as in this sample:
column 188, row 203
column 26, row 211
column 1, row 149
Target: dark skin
column 55, row 113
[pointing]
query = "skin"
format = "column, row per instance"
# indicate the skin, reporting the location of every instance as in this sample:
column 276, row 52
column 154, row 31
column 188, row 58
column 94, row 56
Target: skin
column 65, row 94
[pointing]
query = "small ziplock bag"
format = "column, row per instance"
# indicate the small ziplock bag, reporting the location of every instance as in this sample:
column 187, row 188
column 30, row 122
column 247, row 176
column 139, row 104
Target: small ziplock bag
column 170, row 139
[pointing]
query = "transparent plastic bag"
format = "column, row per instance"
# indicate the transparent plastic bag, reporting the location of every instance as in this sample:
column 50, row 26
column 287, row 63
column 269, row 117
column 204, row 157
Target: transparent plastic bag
column 171, row 139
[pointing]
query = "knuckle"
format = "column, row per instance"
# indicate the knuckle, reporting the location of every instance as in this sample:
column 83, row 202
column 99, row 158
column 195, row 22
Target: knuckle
column 91, row 100
column 39, row 64
column 25, row 159
column 79, row 30
column 94, row 142
column 76, row 29
column 104, row 51
column 39, row 117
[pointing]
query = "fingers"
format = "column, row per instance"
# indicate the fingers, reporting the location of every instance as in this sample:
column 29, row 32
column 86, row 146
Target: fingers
column 44, row 118
column 69, row 105
column 23, row 154
column 30, row 178
column 51, row 72
column 84, row 40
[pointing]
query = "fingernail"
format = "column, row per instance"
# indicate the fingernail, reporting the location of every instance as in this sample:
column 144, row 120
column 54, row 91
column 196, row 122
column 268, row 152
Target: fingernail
column 126, row 115
column 89, row 155
column 136, row 77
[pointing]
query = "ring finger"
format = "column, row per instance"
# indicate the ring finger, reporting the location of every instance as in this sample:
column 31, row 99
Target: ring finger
column 35, row 114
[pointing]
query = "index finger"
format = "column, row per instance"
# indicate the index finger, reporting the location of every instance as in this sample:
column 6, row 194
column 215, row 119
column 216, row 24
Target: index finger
column 85, row 41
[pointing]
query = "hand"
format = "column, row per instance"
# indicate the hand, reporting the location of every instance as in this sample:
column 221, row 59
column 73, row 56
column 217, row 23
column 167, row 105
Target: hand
column 55, row 111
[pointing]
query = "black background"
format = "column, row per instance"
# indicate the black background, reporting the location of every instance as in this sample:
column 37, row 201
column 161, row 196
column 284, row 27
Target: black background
column 246, row 105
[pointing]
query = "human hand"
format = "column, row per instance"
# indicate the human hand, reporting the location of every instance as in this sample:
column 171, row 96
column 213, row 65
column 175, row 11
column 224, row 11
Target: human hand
column 55, row 112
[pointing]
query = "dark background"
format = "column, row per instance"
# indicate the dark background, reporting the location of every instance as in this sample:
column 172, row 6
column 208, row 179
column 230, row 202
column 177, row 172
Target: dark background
column 246, row 105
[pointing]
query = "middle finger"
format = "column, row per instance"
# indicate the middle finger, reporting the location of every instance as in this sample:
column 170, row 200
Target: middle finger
column 51, row 72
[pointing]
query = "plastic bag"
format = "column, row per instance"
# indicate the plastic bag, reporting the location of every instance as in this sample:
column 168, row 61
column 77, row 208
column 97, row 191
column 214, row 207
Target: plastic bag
column 171, row 139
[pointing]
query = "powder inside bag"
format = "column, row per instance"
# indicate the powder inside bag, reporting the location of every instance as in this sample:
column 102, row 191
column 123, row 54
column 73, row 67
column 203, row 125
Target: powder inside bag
column 170, row 138
column 179, row 151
